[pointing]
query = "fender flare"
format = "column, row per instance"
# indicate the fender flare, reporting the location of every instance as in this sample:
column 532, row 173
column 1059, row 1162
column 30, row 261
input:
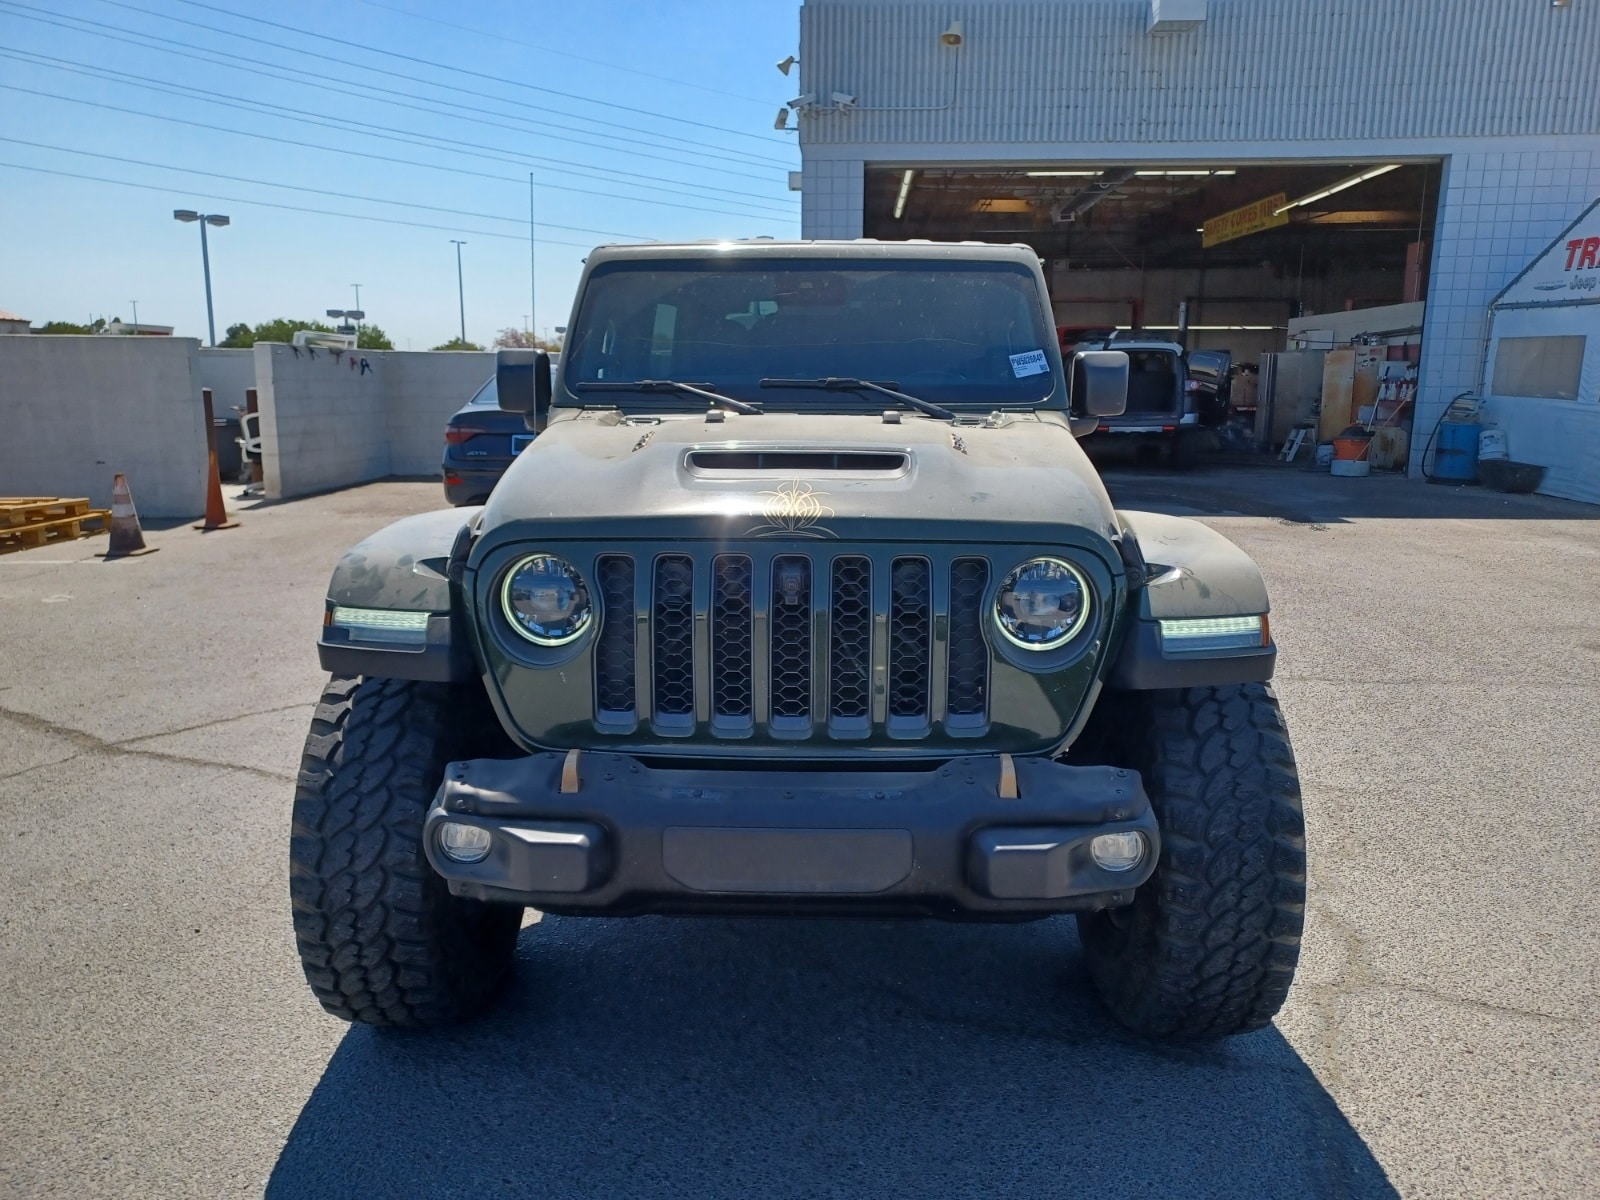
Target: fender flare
column 1190, row 572
column 404, row 567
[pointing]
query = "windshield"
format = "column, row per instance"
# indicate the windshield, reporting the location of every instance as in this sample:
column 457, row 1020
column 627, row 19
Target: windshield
column 953, row 333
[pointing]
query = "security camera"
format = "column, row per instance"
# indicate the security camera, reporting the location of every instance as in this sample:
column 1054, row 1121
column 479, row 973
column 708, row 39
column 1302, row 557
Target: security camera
column 954, row 35
column 844, row 100
column 802, row 102
column 782, row 121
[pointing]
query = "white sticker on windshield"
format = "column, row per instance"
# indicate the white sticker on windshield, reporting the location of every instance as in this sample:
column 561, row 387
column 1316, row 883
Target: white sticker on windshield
column 1031, row 363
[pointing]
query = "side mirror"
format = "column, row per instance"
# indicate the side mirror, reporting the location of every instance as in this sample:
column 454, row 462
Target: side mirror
column 1099, row 383
column 522, row 382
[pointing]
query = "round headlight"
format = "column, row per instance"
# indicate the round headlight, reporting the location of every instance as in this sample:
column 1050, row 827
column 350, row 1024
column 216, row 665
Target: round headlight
column 546, row 600
column 1042, row 604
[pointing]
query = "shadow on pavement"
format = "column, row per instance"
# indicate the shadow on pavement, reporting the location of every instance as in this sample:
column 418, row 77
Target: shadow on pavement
column 1295, row 494
column 719, row 1058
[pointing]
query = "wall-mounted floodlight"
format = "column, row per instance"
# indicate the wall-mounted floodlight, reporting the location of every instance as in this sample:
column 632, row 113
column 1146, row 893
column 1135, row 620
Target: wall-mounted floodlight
column 787, row 64
column 905, row 192
column 781, row 121
column 1337, row 187
column 955, row 33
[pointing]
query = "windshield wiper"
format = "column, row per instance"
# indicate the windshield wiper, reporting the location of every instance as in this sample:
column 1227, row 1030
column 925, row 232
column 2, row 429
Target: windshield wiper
column 846, row 383
column 669, row 385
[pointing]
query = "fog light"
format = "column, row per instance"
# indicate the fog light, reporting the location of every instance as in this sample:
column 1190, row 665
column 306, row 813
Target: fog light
column 464, row 843
column 1118, row 851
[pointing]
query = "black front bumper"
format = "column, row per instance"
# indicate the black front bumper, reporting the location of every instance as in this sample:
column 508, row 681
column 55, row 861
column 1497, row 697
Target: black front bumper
column 634, row 838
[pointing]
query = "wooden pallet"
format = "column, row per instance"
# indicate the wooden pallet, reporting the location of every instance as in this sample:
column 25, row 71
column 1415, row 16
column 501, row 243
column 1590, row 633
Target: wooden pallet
column 30, row 521
column 30, row 510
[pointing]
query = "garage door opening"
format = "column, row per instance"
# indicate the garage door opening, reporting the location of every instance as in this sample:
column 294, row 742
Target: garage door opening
column 1206, row 249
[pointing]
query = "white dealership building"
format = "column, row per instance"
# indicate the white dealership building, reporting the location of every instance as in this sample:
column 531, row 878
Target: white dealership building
column 1219, row 168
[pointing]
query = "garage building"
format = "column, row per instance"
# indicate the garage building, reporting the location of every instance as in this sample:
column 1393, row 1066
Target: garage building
column 1212, row 170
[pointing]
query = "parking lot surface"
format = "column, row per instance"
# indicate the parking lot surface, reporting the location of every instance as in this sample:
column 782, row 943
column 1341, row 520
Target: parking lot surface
column 1438, row 670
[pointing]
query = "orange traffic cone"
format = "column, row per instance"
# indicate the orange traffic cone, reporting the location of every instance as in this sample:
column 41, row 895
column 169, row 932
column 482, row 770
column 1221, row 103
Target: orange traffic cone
column 216, row 514
column 126, row 537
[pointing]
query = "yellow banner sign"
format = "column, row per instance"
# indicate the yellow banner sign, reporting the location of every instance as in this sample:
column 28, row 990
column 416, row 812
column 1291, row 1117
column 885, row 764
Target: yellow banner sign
column 1242, row 222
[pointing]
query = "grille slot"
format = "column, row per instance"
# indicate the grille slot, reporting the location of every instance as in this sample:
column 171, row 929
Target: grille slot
column 791, row 643
column 850, row 646
column 615, row 696
column 967, row 683
column 731, row 655
column 910, row 641
column 672, row 618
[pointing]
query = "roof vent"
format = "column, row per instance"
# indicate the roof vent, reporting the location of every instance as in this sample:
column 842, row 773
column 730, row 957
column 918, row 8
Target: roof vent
column 792, row 462
column 1176, row 16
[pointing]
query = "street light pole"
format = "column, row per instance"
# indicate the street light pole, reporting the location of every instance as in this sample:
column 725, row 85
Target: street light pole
column 461, row 290
column 189, row 215
column 357, row 287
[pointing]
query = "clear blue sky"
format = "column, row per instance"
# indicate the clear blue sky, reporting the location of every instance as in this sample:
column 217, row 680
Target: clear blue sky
column 71, row 248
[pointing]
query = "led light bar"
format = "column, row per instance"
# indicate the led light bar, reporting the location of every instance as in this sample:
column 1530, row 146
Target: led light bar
column 1207, row 634
column 381, row 625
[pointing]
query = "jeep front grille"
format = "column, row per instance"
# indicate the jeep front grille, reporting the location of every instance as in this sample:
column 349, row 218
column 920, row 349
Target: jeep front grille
column 791, row 645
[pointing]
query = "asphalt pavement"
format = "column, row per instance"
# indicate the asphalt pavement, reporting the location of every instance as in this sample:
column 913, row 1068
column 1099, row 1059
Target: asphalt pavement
column 1438, row 670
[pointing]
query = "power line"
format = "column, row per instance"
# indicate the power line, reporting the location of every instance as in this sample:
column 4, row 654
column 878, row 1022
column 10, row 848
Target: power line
column 454, row 212
column 416, row 61
column 386, row 132
column 599, row 62
column 196, row 53
column 346, row 151
column 324, row 212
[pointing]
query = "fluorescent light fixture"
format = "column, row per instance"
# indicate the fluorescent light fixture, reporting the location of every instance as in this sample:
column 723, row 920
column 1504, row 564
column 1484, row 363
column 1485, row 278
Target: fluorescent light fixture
column 905, row 192
column 1337, row 187
column 1209, row 634
column 381, row 625
column 1064, row 174
column 1159, row 174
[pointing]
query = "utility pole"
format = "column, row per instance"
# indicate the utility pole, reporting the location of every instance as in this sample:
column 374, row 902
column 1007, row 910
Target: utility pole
column 533, row 256
column 461, row 290
column 135, row 304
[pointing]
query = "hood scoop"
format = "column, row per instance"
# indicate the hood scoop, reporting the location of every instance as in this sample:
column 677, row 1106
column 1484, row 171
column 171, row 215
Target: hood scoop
column 745, row 463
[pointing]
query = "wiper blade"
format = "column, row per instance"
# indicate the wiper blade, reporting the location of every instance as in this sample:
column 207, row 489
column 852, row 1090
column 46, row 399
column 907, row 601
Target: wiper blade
column 669, row 385
column 846, row 383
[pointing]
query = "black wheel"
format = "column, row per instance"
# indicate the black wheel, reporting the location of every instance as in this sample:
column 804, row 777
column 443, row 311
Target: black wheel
column 1184, row 454
column 381, row 939
column 1209, row 946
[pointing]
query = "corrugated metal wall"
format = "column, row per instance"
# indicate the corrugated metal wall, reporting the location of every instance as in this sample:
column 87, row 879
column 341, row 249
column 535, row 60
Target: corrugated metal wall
column 1085, row 71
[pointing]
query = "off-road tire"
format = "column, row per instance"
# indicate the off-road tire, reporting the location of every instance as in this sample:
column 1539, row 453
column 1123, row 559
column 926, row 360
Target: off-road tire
column 381, row 939
column 1209, row 946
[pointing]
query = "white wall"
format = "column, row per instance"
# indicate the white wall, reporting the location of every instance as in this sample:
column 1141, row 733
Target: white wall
column 424, row 388
column 340, row 418
column 323, row 418
column 74, row 411
column 1563, row 435
column 227, row 373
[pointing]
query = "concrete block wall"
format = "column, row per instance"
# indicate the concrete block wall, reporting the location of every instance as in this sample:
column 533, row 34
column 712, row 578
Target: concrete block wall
column 77, row 410
column 423, row 389
column 333, row 419
column 227, row 373
column 324, row 418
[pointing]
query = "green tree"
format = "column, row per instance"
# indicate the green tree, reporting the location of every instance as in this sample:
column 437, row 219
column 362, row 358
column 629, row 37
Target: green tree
column 512, row 338
column 370, row 337
column 283, row 329
column 239, row 337
column 456, row 343
column 64, row 327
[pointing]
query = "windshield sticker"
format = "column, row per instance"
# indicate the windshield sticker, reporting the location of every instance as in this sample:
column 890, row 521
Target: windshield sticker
column 1031, row 363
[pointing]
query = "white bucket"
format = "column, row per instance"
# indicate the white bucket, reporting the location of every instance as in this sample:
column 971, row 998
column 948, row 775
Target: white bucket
column 1351, row 468
column 1492, row 444
column 1325, row 454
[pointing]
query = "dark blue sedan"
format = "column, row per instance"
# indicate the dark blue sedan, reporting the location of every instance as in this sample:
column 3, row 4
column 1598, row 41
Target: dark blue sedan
column 479, row 443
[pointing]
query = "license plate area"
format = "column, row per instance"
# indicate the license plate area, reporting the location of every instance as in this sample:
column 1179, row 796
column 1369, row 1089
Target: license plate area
column 520, row 442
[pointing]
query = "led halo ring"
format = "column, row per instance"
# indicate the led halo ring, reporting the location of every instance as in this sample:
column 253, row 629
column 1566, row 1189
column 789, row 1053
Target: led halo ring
column 515, row 621
column 1072, row 631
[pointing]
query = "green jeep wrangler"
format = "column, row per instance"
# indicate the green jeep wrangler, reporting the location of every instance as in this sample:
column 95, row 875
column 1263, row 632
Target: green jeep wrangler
column 804, row 602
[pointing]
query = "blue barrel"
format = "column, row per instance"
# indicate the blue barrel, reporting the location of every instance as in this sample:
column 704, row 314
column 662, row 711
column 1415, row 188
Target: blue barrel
column 1456, row 459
